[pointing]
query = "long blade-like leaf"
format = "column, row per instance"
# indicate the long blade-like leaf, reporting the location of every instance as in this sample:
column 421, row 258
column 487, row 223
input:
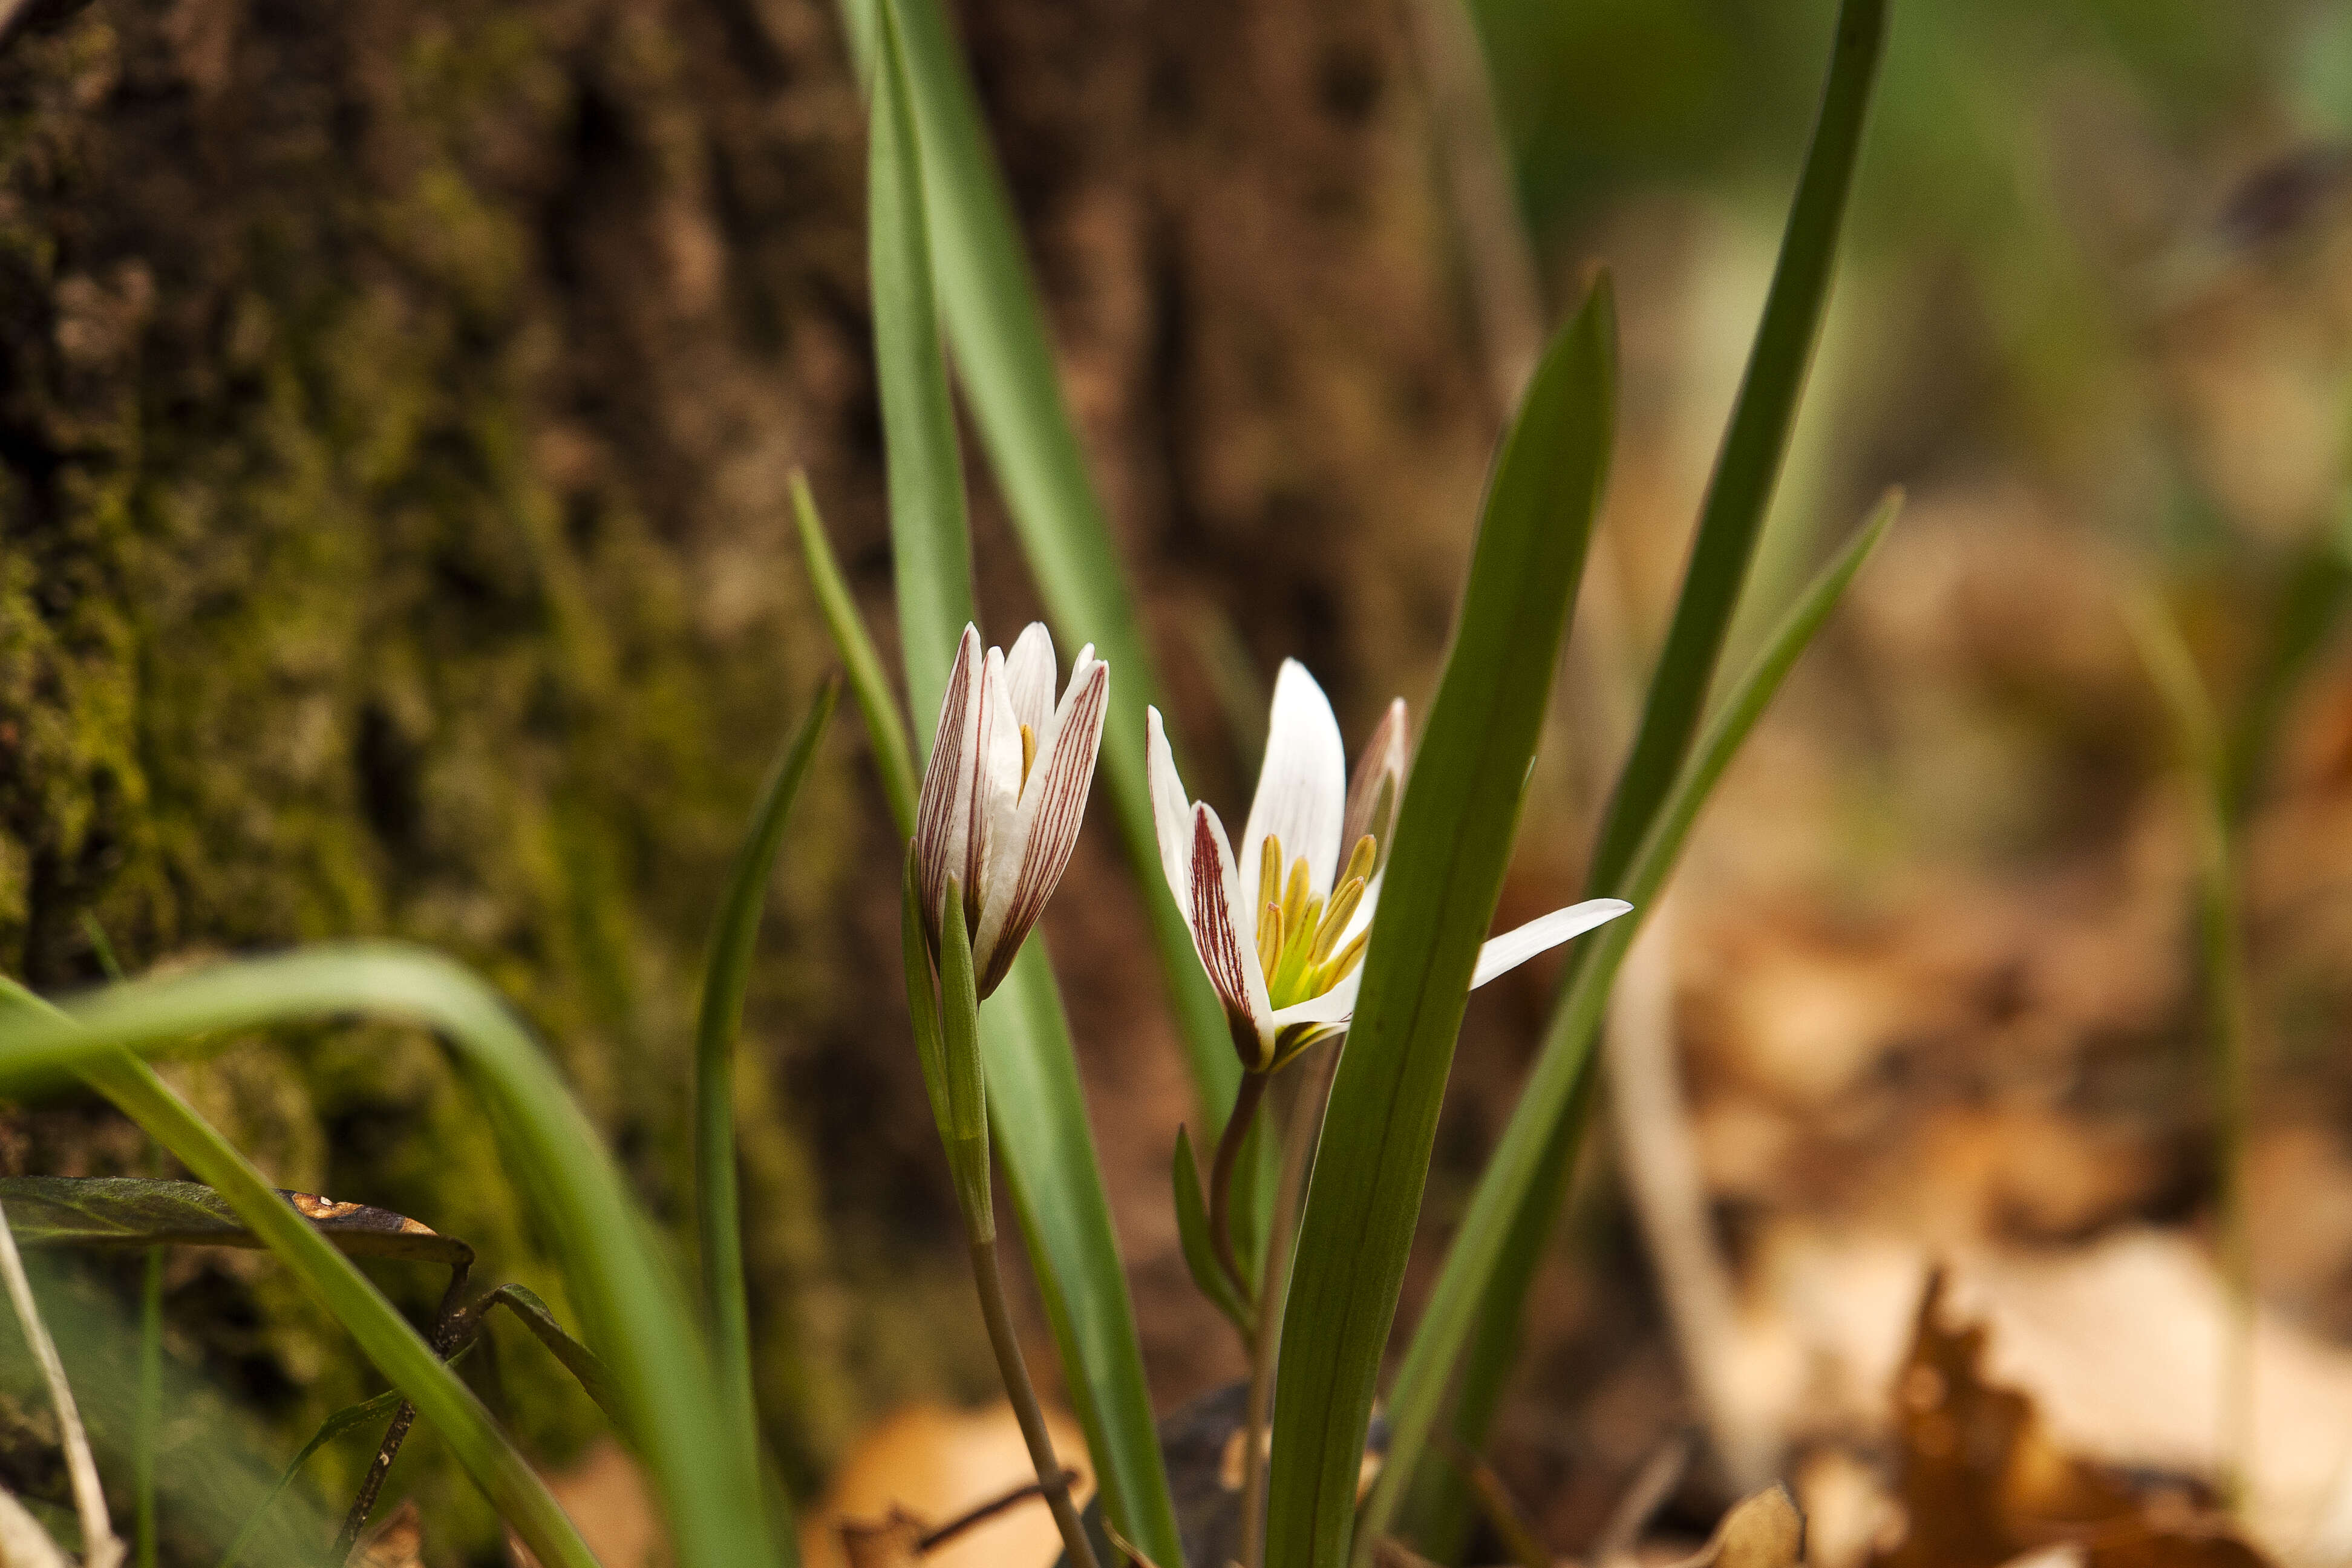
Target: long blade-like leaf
column 586, row 1367
column 1005, row 362
column 1740, row 491
column 1035, row 1101
column 345, row 1420
column 1508, row 1183
column 886, row 727
column 708, row 1485
column 929, row 529
column 1453, row 844
column 726, row 972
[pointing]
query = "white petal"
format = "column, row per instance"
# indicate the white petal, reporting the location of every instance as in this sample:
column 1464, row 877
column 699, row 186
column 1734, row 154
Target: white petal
column 1513, row 948
column 1302, row 789
column 1038, row 849
column 1228, row 949
column 942, row 812
column 1029, row 676
column 1171, row 812
column 996, row 791
column 1334, row 1007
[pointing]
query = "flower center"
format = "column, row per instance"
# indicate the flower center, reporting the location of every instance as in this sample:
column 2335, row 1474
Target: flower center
column 1297, row 929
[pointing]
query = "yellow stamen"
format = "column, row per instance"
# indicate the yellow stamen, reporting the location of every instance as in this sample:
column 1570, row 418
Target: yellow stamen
column 1359, row 861
column 1028, row 752
column 1269, row 939
column 1330, row 973
column 1343, row 910
column 1293, row 896
column 1269, row 868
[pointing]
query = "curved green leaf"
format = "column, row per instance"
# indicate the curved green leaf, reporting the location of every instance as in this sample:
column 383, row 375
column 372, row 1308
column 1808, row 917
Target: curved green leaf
column 1192, row 1233
column 350, row 1416
column 1511, row 1176
column 886, row 727
column 727, row 971
column 1453, row 839
column 708, row 1486
column 1740, row 490
column 586, row 1367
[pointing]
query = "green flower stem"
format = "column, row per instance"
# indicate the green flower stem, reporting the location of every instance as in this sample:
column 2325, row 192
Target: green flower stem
column 1221, row 1180
column 1052, row 1479
column 1298, row 1139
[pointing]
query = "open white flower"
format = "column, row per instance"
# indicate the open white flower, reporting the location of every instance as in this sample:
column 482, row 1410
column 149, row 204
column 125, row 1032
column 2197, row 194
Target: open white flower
column 1005, row 790
column 1282, row 931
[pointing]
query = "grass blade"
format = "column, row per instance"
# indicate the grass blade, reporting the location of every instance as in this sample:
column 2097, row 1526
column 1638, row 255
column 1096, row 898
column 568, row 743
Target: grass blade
column 886, row 727
column 931, row 532
column 1453, row 844
column 727, row 971
column 1005, row 360
column 1462, row 1302
column 334, row 1427
column 147, row 1419
column 586, row 1367
column 1740, row 490
column 709, row 1486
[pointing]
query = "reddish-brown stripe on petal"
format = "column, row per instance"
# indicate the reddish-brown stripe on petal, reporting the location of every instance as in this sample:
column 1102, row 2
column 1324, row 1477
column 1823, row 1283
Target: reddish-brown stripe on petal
column 1213, row 923
column 933, row 822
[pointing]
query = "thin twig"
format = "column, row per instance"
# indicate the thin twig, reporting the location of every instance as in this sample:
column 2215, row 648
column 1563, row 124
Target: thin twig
column 1221, row 1180
column 1053, row 1479
column 1652, row 1484
column 451, row 1324
column 933, row 1539
column 100, row 1547
column 1299, row 1138
column 1669, row 1195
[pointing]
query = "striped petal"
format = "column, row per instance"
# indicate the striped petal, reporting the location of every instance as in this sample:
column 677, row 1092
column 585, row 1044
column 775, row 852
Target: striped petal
column 1513, row 948
column 1302, row 789
column 1028, row 865
column 1224, row 942
column 1172, row 813
column 943, row 810
column 996, row 788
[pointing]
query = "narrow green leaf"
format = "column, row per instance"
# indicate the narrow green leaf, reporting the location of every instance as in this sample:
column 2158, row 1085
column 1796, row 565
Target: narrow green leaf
column 1453, row 839
column 1005, row 360
column 1193, row 1232
column 380, row 1408
column 929, row 530
column 636, row 1312
column 1740, row 491
column 726, row 972
column 884, row 728
column 586, row 1367
column 1511, row 1178
column 138, row 1211
column 147, row 1414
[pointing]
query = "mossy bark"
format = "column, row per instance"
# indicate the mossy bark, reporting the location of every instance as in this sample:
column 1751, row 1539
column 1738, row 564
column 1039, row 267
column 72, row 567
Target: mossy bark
column 396, row 403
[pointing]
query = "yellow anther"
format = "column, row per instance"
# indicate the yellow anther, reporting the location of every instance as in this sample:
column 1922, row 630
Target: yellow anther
column 1331, row 973
column 1028, row 752
column 1359, row 861
column 1342, row 911
column 1293, row 896
column 1269, row 868
column 1269, row 939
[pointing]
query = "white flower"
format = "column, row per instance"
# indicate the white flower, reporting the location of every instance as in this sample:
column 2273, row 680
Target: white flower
column 1005, row 790
column 1282, row 931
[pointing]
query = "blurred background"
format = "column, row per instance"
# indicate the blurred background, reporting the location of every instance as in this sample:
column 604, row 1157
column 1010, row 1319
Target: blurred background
column 397, row 407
